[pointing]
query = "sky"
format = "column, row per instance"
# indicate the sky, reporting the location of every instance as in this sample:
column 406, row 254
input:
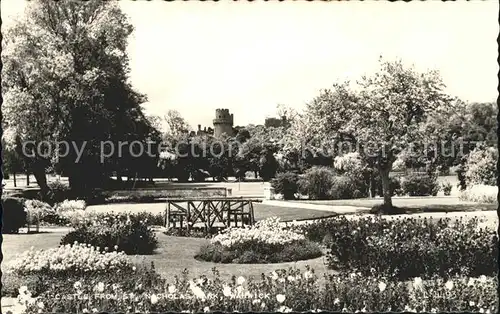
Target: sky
column 248, row 57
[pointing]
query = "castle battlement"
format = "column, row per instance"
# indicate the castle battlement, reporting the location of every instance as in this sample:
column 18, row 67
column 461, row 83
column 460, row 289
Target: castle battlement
column 223, row 122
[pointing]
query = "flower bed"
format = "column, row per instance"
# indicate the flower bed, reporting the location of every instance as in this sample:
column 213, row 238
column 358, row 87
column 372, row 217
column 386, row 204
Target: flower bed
column 283, row 290
column 407, row 247
column 266, row 242
column 120, row 232
column 60, row 268
column 75, row 259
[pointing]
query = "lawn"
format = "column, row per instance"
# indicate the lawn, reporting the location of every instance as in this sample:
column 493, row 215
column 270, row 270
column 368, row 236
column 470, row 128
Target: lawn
column 173, row 255
column 413, row 204
column 262, row 211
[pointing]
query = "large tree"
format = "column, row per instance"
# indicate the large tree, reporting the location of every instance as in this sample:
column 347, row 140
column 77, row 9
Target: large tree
column 65, row 78
column 383, row 116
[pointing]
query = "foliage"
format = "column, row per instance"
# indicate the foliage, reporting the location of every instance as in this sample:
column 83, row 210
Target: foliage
column 286, row 183
column 58, row 192
column 346, row 187
column 408, row 247
column 77, row 92
column 265, row 242
column 75, row 259
column 38, row 211
column 480, row 194
column 268, row 165
column 383, row 119
column 420, row 185
column 481, row 166
column 280, row 291
column 14, row 215
column 317, row 182
column 119, row 232
column 446, row 187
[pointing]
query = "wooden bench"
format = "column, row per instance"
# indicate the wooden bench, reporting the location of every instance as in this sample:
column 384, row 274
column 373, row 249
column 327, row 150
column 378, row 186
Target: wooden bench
column 209, row 210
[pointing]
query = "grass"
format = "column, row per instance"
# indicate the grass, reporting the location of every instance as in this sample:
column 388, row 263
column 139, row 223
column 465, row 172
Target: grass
column 414, row 204
column 173, row 255
column 262, row 211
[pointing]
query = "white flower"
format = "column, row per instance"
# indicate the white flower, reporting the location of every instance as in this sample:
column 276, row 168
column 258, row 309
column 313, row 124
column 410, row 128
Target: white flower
column 481, row 310
column 472, row 303
column 154, row 299
column 434, row 310
column 77, row 285
column 307, row 275
column 449, row 285
column 482, row 279
column 256, row 301
column 417, row 282
column 227, row 291
column 382, row 286
column 206, row 309
column 85, row 311
column 274, row 275
column 40, row 305
column 471, row 282
column 240, row 280
column 336, row 301
column 172, row 289
column 100, row 287
column 133, row 268
column 197, row 291
column 280, row 298
column 284, row 309
column 94, row 310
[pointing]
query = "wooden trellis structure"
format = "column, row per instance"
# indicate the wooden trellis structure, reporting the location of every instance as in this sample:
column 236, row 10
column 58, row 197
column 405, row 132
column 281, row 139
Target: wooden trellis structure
column 230, row 211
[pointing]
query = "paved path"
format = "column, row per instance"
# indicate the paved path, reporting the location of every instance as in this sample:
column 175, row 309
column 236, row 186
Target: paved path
column 329, row 208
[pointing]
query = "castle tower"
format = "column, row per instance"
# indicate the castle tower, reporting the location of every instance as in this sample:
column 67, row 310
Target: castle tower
column 223, row 122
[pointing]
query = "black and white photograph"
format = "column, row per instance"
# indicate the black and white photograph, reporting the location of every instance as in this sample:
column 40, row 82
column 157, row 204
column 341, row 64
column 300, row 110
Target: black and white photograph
column 249, row 156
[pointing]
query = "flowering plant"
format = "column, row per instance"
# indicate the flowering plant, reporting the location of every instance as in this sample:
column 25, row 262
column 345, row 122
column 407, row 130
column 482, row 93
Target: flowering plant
column 77, row 258
column 282, row 291
column 116, row 231
column 37, row 210
column 266, row 241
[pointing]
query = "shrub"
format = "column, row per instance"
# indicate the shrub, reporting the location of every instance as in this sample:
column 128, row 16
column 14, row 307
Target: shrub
column 266, row 242
column 420, row 185
column 14, row 215
column 280, row 291
column 58, row 192
column 286, row 183
column 407, row 247
column 480, row 194
column 481, row 166
column 120, row 232
column 343, row 187
column 395, row 185
column 71, row 205
column 446, row 187
column 317, row 182
column 38, row 211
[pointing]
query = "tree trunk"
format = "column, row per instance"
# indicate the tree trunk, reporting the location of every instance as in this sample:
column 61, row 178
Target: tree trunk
column 386, row 187
column 41, row 178
column 15, row 183
column 27, row 178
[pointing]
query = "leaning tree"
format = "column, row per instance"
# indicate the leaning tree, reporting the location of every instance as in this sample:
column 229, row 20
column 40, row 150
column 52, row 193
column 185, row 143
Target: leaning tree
column 381, row 116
